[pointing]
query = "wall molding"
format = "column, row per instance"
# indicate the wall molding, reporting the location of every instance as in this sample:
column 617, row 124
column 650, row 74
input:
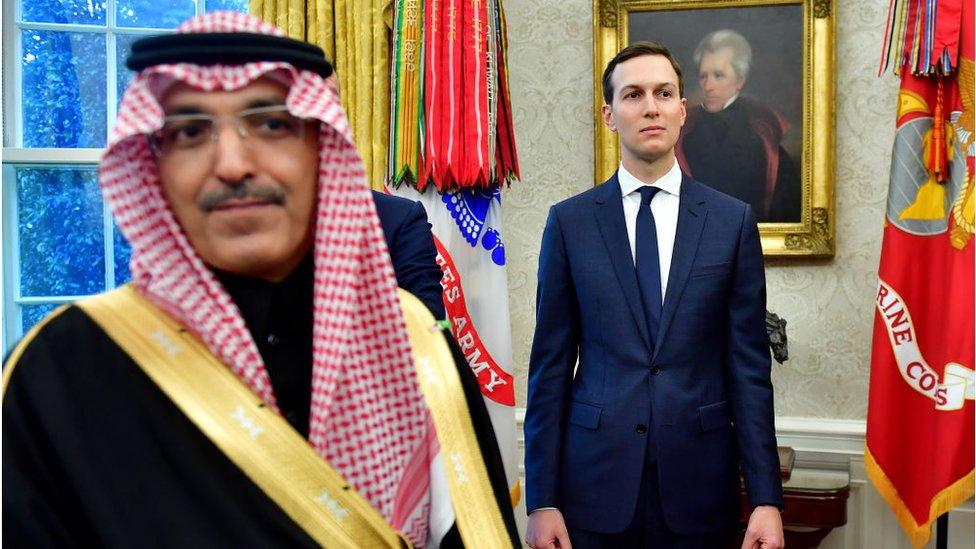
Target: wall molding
column 820, row 443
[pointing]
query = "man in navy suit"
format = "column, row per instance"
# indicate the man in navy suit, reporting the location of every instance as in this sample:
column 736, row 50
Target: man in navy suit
column 651, row 286
column 411, row 246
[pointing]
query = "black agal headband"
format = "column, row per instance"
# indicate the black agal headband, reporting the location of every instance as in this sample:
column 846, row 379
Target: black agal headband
column 226, row 48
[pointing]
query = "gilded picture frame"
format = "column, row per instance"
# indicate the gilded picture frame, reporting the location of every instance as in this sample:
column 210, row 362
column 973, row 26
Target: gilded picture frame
column 794, row 76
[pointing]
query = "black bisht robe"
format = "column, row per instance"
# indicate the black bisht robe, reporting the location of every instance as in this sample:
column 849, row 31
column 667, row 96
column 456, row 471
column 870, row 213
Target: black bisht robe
column 95, row 455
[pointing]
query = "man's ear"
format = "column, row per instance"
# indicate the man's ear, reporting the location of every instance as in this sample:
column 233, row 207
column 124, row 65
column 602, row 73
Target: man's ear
column 684, row 110
column 608, row 117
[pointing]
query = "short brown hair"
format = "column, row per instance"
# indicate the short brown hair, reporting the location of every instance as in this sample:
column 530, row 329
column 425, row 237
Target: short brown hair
column 637, row 49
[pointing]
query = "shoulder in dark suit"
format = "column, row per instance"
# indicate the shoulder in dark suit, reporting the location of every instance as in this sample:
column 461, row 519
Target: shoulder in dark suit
column 411, row 245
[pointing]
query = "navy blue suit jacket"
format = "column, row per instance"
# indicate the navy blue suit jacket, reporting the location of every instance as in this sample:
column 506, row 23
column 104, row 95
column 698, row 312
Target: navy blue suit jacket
column 704, row 393
column 412, row 249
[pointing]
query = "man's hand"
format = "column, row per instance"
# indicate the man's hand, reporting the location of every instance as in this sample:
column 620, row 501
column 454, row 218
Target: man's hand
column 765, row 530
column 547, row 530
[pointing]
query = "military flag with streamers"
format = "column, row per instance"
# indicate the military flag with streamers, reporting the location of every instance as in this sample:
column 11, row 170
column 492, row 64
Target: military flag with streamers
column 920, row 428
column 451, row 116
column 452, row 148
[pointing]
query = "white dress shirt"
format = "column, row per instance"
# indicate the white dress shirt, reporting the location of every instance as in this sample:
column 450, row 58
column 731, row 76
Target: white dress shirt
column 664, row 206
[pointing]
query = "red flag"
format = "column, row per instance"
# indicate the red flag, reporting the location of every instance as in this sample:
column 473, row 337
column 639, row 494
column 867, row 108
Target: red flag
column 920, row 424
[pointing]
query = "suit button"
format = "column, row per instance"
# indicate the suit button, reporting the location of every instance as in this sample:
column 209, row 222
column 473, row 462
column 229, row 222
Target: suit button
column 655, row 370
column 641, row 428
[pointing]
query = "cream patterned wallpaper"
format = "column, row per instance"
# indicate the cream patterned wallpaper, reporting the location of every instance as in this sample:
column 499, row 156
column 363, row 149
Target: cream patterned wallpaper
column 828, row 303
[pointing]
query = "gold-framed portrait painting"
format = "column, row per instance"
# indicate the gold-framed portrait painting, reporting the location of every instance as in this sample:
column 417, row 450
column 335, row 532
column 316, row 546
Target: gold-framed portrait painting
column 758, row 78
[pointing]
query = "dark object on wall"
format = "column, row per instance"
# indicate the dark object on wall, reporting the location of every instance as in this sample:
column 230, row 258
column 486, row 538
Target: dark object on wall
column 776, row 329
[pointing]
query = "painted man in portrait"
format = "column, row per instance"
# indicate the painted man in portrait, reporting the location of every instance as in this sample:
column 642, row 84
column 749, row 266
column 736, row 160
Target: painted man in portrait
column 733, row 142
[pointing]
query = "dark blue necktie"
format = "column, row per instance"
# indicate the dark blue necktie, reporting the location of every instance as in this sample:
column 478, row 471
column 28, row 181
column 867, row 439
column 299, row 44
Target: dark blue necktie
column 647, row 263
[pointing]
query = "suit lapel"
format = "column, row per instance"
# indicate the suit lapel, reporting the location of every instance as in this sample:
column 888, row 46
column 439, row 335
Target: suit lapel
column 691, row 221
column 613, row 229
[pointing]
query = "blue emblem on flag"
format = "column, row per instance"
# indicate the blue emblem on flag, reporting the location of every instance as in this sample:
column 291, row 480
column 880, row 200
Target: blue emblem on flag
column 469, row 208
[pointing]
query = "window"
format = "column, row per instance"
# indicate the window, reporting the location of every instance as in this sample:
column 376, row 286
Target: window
column 64, row 75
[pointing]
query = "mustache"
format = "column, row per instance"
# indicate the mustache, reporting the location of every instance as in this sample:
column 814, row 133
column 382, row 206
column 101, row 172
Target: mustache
column 265, row 193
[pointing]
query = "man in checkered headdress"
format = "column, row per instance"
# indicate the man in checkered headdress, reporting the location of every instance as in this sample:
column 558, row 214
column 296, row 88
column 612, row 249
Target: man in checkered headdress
column 260, row 382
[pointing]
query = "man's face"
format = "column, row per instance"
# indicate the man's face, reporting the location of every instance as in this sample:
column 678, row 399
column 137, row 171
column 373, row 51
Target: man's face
column 245, row 203
column 718, row 79
column 647, row 111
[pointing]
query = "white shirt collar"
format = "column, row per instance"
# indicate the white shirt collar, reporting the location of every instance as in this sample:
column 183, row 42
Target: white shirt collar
column 727, row 103
column 669, row 182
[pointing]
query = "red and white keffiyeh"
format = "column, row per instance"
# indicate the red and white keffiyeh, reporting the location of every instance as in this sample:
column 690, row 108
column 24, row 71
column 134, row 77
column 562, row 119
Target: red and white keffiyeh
column 368, row 417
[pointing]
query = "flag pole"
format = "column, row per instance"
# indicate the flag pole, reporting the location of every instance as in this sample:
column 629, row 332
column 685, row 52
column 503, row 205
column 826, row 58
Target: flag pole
column 942, row 531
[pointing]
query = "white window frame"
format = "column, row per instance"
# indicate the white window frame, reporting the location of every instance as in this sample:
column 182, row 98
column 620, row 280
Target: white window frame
column 15, row 155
